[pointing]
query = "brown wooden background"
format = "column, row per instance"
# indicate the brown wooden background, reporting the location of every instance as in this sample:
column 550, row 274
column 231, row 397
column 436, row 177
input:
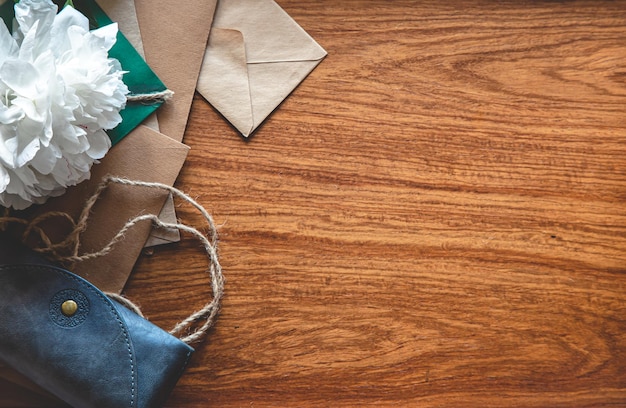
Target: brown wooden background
column 434, row 218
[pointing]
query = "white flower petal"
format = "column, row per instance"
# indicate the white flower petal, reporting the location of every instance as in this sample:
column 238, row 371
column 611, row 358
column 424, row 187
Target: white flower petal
column 10, row 115
column 67, row 18
column 20, row 76
column 4, row 179
column 8, row 46
column 15, row 201
column 29, row 109
column 44, row 161
column 6, row 155
column 27, row 152
column 107, row 33
column 99, row 145
column 29, row 13
column 23, row 182
column 29, row 44
column 8, row 152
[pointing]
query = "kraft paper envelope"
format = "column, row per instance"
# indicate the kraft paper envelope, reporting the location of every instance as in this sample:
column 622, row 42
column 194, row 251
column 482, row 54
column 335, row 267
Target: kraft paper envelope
column 123, row 12
column 143, row 155
column 256, row 56
column 174, row 38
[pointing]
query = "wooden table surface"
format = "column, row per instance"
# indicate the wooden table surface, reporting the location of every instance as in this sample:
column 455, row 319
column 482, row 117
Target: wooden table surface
column 436, row 217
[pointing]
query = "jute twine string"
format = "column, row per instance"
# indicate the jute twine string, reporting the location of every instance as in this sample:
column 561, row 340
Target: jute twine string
column 150, row 98
column 203, row 318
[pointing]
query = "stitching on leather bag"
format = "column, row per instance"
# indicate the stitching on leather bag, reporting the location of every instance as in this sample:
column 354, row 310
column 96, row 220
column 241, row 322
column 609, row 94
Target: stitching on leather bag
column 182, row 369
column 67, row 274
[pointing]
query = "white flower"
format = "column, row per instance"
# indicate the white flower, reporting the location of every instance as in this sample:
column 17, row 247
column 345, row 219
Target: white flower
column 59, row 91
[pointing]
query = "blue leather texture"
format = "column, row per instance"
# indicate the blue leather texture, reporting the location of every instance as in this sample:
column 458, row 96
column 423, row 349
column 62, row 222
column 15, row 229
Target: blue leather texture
column 102, row 355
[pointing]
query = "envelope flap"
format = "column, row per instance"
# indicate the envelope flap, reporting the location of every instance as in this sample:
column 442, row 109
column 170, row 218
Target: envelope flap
column 224, row 80
column 271, row 35
column 266, row 92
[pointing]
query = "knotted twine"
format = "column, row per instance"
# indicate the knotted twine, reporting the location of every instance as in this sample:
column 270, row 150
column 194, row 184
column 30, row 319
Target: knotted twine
column 150, row 98
column 203, row 318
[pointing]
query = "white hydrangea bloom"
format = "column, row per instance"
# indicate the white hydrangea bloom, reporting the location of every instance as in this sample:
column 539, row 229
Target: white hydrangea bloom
column 59, row 91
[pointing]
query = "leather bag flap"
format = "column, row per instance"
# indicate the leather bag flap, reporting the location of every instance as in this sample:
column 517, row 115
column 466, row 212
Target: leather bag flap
column 101, row 355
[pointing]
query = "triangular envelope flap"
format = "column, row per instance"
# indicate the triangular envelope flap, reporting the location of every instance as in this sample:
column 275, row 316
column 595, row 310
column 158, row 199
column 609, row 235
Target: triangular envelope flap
column 224, row 79
column 271, row 35
column 270, row 84
column 72, row 357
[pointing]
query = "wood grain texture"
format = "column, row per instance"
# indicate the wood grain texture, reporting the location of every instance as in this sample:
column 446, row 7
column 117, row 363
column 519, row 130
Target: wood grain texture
column 436, row 217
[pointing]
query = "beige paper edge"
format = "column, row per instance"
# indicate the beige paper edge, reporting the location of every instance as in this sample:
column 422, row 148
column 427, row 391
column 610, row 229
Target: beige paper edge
column 174, row 40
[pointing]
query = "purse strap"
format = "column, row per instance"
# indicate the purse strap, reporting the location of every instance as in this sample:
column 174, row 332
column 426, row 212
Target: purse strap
column 199, row 322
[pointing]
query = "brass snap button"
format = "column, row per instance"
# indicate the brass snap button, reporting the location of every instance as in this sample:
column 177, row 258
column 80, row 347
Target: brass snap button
column 69, row 308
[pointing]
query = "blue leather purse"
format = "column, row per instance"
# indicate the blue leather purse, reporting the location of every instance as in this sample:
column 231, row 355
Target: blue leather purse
column 75, row 342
